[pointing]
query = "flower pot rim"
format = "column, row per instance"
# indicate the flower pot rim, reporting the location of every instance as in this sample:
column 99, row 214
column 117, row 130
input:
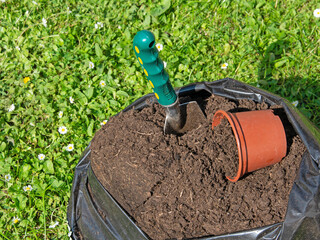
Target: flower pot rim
column 238, row 134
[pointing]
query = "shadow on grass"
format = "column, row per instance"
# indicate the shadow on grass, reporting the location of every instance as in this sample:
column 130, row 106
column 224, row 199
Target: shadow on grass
column 297, row 88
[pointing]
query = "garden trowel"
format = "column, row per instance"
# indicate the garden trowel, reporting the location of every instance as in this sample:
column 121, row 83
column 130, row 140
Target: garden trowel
column 180, row 118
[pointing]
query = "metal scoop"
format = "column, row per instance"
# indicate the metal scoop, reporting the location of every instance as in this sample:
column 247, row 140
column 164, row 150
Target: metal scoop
column 179, row 117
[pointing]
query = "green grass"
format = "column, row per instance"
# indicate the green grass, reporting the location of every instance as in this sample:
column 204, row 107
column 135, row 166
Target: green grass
column 272, row 44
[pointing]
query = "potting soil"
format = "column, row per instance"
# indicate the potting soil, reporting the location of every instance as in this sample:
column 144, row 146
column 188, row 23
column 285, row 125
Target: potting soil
column 227, row 150
column 175, row 186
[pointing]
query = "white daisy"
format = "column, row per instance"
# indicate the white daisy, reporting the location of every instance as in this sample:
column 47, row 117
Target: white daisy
column 98, row 25
column 7, row 177
column 224, row 66
column 54, row 225
column 119, row 27
column 102, row 83
column 41, row 156
column 316, row 13
column 63, row 130
column 164, row 64
column 11, row 108
column 27, row 13
column 27, row 188
column 60, row 114
column 34, row 2
column 70, row 147
column 41, row 45
column 71, row 100
column 91, row 65
column 18, row 48
column 159, row 46
column 103, row 122
column 15, row 220
column 44, row 22
column 295, row 103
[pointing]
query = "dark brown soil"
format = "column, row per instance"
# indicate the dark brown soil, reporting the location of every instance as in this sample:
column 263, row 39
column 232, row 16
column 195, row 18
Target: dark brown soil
column 175, row 186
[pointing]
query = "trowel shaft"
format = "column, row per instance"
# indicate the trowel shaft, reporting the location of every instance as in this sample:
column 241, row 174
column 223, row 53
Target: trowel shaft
column 174, row 117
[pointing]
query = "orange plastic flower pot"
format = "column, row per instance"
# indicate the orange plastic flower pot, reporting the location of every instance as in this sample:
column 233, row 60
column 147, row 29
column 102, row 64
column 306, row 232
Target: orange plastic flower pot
column 260, row 138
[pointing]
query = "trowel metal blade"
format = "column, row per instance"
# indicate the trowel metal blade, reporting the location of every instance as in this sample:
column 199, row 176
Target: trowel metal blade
column 192, row 117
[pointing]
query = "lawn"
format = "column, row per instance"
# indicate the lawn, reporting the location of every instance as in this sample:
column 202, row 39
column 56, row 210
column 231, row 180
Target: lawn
column 67, row 66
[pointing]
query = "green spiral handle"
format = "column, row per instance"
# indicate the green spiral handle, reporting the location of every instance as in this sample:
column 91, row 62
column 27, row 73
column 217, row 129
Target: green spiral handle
column 152, row 66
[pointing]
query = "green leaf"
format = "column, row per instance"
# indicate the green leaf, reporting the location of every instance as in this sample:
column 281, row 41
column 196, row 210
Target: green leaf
column 81, row 97
column 90, row 128
column 3, row 146
column 226, row 48
column 179, row 76
column 22, row 202
column 98, row 50
column 122, row 93
column 25, row 171
column 40, row 187
column 94, row 106
column 127, row 34
column 160, row 8
column 89, row 92
column 146, row 21
column 113, row 103
column 100, row 69
column 280, row 63
column 55, row 48
column 48, row 167
column 56, row 183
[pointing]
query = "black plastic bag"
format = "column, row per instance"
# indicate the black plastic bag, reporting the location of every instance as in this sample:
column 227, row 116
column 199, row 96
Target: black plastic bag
column 103, row 218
